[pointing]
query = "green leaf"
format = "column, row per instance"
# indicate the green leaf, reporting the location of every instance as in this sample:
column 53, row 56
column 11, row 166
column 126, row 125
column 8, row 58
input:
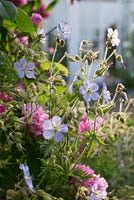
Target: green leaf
column 57, row 67
column 8, row 10
column 24, row 22
column 51, row 5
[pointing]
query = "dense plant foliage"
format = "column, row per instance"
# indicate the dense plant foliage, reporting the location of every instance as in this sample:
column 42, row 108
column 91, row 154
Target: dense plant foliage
column 54, row 135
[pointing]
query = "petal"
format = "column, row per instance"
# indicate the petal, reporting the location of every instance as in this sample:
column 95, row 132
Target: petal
column 21, row 73
column 64, row 128
column 87, row 97
column 27, row 177
column 56, row 121
column 26, row 171
column 17, row 66
column 47, row 125
column 94, row 96
column 30, row 66
column 29, row 74
column 115, row 33
column 110, row 31
column 87, row 84
column 94, row 87
column 29, row 183
column 104, row 89
column 23, row 62
column 48, row 134
column 58, row 137
column 82, row 90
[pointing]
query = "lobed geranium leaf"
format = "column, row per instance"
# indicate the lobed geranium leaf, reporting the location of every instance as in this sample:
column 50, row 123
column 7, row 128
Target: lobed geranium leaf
column 7, row 11
column 51, row 5
column 24, row 22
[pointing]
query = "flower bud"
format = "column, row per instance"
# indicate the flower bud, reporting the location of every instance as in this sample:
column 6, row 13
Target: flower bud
column 119, row 58
column 86, row 43
column 101, row 71
column 62, row 43
column 77, row 58
column 120, row 87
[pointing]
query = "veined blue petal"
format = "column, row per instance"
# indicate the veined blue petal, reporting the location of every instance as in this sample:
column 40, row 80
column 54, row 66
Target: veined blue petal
column 17, row 66
column 87, row 84
column 56, row 121
column 64, row 128
column 23, row 62
column 95, row 96
column 47, row 125
column 48, row 134
column 58, row 137
column 30, row 66
column 87, row 97
column 29, row 74
column 27, row 176
column 21, row 73
column 94, row 87
column 82, row 90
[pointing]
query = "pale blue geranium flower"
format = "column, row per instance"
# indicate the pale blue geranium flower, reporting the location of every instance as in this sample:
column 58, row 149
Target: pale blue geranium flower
column 24, row 68
column 106, row 93
column 54, row 128
column 27, row 176
column 97, row 194
column 89, row 91
column 64, row 30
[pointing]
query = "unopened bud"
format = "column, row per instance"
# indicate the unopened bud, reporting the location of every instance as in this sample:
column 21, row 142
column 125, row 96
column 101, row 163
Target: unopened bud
column 77, row 58
column 119, row 58
column 86, row 43
column 120, row 87
column 62, row 43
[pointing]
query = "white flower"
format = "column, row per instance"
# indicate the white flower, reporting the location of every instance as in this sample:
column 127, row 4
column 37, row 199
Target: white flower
column 41, row 35
column 113, row 37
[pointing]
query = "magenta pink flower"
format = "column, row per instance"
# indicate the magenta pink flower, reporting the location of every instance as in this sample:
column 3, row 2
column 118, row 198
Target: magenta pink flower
column 91, row 125
column 95, row 184
column 19, row 3
column 51, row 50
column 24, row 40
column 100, row 182
column 85, row 169
column 84, row 117
column 83, row 126
column 36, row 18
column 42, row 12
column 37, row 114
column 4, row 97
column 2, row 109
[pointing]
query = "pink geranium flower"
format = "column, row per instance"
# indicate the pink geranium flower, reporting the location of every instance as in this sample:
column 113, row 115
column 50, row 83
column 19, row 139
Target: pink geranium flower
column 2, row 109
column 36, row 18
column 91, row 125
column 42, row 12
column 19, row 3
column 37, row 115
column 95, row 184
column 4, row 97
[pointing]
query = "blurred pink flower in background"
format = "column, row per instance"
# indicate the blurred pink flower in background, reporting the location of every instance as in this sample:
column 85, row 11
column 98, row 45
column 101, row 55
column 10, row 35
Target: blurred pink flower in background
column 91, row 125
column 2, row 109
column 95, row 184
column 4, row 97
column 19, row 3
column 24, row 40
column 36, row 18
column 51, row 50
column 38, row 116
column 42, row 12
